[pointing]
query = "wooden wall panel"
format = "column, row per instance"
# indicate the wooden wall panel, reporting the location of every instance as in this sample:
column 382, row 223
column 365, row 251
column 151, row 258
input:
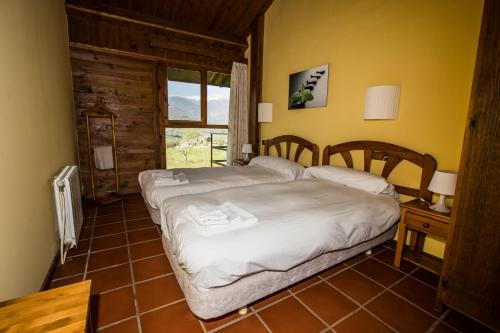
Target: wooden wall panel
column 128, row 88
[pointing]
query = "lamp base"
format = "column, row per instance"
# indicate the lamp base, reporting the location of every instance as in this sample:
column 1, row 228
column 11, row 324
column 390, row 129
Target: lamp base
column 440, row 206
column 245, row 157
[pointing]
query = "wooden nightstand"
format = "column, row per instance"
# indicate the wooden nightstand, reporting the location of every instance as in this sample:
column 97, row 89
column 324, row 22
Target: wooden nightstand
column 418, row 218
column 240, row 162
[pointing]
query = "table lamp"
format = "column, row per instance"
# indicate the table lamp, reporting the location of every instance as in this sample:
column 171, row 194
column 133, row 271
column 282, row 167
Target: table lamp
column 442, row 183
column 247, row 149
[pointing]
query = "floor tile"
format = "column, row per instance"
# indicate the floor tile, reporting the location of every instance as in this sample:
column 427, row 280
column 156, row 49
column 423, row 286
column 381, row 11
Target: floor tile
column 108, row 229
column 464, row 324
column 109, row 210
column 85, row 233
column 361, row 321
column 427, row 277
column 135, row 207
column 329, row 272
column 304, row 283
column 355, row 260
column 142, row 235
column 146, row 249
column 176, row 318
column 87, row 222
column 271, row 299
column 107, row 219
column 81, row 248
column 355, row 285
column 108, row 258
column 217, row 322
column 379, row 272
column 72, row 266
column 442, row 328
column 248, row 325
column 110, row 278
column 417, row 293
column 65, row 282
column 113, row 306
column 139, row 224
column 88, row 212
column 400, row 314
column 108, row 242
column 151, row 267
column 136, row 215
column 387, row 256
column 290, row 316
column 158, row 292
column 326, row 302
column 129, row 326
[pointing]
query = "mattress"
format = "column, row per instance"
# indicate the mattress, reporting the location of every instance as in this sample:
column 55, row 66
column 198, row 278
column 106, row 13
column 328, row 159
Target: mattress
column 203, row 180
column 219, row 301
column 297, row 221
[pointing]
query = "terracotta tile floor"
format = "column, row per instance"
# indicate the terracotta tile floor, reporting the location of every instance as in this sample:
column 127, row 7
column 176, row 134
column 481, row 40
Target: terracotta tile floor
column 134, row 289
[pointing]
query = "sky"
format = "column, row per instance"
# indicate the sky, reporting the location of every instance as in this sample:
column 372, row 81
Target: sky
column 192, row 91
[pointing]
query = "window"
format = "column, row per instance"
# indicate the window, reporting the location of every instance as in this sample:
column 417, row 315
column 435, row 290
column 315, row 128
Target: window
column 184, row 94
column 197, row 118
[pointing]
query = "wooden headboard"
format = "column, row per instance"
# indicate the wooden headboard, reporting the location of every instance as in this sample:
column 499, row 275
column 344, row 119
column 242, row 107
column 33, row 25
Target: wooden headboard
column 392, row 155
column 289, row 139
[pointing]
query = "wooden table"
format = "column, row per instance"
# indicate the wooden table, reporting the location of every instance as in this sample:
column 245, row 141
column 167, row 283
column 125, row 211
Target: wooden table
column 62, row 309
column 417, row 217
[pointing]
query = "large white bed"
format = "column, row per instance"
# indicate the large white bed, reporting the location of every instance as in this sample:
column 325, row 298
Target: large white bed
column 303, row 227
column 202, row 180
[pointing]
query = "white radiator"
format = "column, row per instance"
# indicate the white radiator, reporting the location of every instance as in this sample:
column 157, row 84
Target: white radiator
column 68, row 202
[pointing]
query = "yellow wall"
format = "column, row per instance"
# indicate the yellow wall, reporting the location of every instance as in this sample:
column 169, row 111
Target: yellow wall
column 36, row 137
column 426, row 46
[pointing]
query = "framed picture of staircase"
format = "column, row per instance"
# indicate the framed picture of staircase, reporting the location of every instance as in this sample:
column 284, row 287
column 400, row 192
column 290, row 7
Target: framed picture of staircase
column 309, row 88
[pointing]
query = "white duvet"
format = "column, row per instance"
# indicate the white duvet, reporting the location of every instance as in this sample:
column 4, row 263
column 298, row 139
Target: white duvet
column 297, row 221
column 203, row 180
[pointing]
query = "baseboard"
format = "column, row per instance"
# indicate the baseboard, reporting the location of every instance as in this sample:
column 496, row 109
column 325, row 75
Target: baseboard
column 50, row 273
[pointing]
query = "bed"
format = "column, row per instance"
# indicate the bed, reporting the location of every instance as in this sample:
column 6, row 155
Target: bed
column 207, row 179
column 305, row 226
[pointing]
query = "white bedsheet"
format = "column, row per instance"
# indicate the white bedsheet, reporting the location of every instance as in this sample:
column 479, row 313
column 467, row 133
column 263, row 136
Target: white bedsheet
column 203, row 180
column 298, row 221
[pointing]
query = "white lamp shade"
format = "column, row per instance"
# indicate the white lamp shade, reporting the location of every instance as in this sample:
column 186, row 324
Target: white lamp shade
column 265, row 113
column 382, row 102
column 247, row 148
column 443, row 182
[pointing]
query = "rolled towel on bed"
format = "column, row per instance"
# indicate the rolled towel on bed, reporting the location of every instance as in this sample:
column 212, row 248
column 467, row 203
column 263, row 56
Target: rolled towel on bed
column 212, row 220
column 168, row 178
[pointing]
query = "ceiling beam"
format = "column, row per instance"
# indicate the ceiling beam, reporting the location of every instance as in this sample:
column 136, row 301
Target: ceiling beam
column 147, row 20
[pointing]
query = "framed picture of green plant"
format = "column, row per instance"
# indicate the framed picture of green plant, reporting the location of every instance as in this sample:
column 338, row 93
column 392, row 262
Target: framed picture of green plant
column 309, row 88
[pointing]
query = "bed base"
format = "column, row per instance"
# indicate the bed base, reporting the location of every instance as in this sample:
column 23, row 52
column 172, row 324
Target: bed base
column 238, row 295
column 154, row 213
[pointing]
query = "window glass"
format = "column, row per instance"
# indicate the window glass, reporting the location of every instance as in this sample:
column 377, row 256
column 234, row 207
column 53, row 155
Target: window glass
column 218, row 98
column 184, row 92
column 195, row 147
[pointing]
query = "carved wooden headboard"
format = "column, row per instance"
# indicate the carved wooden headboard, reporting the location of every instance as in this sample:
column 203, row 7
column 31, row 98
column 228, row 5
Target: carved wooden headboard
column 289, row 139
column 392, row 155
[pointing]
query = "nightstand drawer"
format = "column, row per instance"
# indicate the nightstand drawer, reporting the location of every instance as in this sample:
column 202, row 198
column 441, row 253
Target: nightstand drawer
column 425, row 224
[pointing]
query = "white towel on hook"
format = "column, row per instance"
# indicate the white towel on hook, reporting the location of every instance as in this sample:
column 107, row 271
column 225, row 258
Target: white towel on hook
column 103, row 157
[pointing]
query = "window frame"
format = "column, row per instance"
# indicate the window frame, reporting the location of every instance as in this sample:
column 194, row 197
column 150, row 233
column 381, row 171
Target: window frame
column 168, row 123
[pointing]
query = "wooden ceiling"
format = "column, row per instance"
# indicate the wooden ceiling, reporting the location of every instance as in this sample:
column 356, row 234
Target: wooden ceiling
column 225, row 19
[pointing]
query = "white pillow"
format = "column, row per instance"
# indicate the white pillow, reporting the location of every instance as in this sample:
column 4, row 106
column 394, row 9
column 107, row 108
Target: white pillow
column 289, row 168
column 352, row 178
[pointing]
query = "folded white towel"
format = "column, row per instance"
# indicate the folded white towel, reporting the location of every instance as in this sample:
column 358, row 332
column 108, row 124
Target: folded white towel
column 212, row 220
column 103, row 157
column 164, row 179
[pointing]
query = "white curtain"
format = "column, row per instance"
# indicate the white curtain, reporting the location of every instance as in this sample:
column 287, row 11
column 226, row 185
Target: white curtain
column 238, row 112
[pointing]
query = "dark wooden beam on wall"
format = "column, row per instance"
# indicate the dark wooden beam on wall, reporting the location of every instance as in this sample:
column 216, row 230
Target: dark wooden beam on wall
column 256, row 63
column 147, row 20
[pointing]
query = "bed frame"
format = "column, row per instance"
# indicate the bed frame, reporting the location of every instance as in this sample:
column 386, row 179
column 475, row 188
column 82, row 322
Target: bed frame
column 392, row 155
column 289, row 139
column 239, row 294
